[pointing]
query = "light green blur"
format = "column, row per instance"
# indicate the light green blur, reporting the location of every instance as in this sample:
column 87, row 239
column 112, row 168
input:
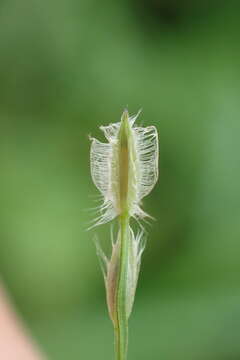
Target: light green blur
column 68, row 66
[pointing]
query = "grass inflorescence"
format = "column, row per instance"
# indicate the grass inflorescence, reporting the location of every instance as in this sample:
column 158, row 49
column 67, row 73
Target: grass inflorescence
column 124, row 170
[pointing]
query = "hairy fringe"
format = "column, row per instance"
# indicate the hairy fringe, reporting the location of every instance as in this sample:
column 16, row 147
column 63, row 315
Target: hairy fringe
column 143, row 172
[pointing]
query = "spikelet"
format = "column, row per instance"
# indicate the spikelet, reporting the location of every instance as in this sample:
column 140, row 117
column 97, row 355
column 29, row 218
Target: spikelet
column 110, row 268
column 125, row 169
column 142, row 167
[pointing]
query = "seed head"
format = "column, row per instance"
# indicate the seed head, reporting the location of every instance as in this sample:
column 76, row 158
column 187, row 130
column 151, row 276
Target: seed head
column 126, row 168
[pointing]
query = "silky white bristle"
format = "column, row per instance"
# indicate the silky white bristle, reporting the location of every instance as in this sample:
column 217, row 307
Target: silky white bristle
column 142, row 168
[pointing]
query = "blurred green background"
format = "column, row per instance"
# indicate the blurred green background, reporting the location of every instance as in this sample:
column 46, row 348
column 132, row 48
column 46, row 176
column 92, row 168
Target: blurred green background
column 66, row 68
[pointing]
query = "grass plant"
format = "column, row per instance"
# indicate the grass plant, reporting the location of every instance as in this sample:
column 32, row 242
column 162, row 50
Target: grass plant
column 125, row 169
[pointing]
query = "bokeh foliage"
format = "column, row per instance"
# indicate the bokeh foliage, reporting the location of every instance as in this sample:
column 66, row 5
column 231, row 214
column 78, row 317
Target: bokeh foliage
column 68, row 67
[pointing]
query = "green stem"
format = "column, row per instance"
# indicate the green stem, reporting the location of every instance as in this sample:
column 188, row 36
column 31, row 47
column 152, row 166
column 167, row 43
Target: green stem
column 121, row 327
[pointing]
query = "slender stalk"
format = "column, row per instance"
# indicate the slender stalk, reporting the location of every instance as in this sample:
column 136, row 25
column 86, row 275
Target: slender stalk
column 121, row 327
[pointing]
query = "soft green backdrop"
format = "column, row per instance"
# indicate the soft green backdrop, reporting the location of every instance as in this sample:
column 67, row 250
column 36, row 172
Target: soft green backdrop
column 66, row 68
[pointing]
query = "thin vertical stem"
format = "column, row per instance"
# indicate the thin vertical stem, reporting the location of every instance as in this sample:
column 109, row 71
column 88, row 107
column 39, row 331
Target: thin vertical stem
column 121, row 327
